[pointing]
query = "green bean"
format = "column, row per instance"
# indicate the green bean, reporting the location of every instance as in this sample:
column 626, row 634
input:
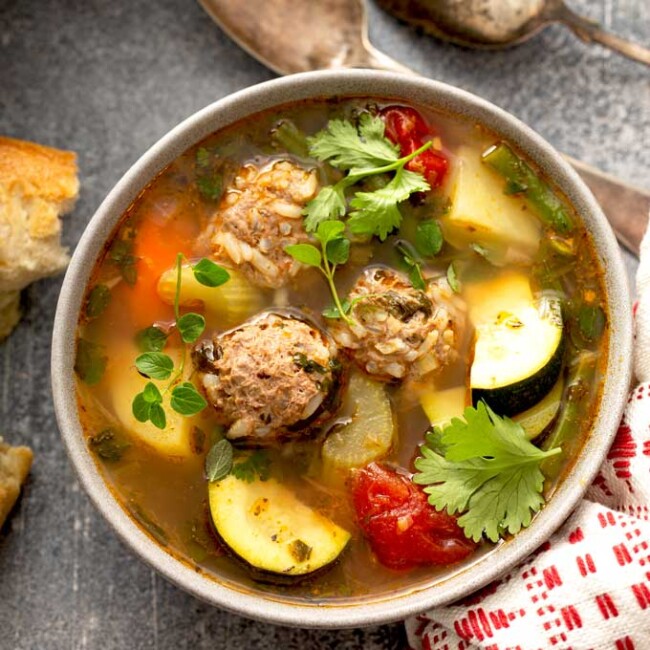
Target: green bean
column 566, row 430
column 521, row 179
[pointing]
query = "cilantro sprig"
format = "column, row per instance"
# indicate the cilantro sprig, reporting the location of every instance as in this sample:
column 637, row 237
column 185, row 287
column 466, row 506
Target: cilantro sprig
column 153, row 363
column 334, row 250
column 362, row 151
column 486, row 468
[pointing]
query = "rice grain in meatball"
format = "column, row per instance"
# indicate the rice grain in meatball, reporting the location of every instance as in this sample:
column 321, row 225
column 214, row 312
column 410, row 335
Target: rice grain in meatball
column 397, row 330
column 274, row 377
column 260, row 214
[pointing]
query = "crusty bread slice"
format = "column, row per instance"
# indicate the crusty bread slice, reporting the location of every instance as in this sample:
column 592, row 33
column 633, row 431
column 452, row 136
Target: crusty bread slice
column 37, row 185
column 15, row 463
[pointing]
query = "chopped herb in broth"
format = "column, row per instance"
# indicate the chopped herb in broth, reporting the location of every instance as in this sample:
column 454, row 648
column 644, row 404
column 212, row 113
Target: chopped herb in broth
column 317, row 327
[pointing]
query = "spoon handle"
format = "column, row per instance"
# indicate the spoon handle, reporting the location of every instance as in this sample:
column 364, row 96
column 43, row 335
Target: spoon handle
column 589, row 32
column 625, row 207
column 369, row 56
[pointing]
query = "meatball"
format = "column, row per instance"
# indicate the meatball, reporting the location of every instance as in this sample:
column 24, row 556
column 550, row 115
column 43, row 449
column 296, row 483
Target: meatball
column 276, row 377
column 260, row 214
column 398, row 331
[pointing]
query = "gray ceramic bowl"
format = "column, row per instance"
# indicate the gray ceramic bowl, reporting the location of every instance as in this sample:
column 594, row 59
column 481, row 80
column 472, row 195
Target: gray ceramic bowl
column 399, row 603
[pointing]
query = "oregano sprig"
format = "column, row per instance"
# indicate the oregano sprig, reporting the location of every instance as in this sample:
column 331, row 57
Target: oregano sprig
column 153, row 363
column 334, row 250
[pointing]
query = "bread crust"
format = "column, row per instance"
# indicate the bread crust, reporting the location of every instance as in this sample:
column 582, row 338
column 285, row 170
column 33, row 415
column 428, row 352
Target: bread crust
column 37, row 185
column 15, row 463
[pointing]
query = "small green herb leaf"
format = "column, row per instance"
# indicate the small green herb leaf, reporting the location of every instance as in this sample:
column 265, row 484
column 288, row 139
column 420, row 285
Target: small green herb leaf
column 210, row 274
column 157, row 416
column 452, row 278
column 257, row 465
column 428, row 238
column 107, row 445
column 304, row 253
column 412, row 263
column 98, row 300
column 218, row 462
column 592, row 322
column 210, row 186
column 329, row 231
column 154, row 365
column 140, row 408
column 338, row 250
column 190, row 327
column 308, row 365
column 186, row 400
column 121, row 255
column 151, row 394
column 203, row 157
column 90, row 363
column 151, row 339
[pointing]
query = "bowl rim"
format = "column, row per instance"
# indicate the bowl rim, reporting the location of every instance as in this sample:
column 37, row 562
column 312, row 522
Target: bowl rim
column 365, row 610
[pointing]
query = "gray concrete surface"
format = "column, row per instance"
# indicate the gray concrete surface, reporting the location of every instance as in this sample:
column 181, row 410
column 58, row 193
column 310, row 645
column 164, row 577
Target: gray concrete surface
column 108, row 78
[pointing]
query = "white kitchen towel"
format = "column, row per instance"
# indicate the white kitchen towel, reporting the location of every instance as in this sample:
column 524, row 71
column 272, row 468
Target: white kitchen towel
column 588, row 587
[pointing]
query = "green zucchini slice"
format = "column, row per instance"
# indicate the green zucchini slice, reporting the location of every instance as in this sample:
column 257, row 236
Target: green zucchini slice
column 539, row 417
column 268, row 527
column 519, row 346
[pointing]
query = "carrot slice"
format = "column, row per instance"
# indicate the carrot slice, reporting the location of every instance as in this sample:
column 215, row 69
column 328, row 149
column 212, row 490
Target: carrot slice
column 156, row 247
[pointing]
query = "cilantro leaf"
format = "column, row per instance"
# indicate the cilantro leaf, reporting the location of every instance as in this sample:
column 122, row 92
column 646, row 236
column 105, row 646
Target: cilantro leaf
column 328, row 204
column 376, row 213
column 484, row 467
column 344, row 147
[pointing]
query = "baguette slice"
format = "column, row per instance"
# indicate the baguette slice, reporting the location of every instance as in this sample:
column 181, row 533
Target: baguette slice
column 37, row 185
column 15, row 463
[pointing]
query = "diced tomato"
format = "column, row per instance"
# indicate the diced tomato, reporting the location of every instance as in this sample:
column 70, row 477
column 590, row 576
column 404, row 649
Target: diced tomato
column 407, row 128
column 403, row 530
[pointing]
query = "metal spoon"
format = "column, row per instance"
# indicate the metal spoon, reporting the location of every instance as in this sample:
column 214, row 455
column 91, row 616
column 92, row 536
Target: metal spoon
column 296, row 36
column 495, row 24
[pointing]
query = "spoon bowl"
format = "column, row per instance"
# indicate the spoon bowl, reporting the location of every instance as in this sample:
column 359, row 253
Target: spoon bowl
column 495, row 24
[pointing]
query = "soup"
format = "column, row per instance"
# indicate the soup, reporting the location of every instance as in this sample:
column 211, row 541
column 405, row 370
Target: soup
column 341, row 347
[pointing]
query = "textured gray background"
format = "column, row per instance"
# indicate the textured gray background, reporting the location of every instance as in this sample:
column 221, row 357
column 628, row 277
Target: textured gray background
column 107, row 79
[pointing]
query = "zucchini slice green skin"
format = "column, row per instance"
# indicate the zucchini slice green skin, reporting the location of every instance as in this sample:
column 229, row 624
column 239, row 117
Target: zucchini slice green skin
column 522, row 395
column 264, row 524
column 538, row 419
column 512, row 378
